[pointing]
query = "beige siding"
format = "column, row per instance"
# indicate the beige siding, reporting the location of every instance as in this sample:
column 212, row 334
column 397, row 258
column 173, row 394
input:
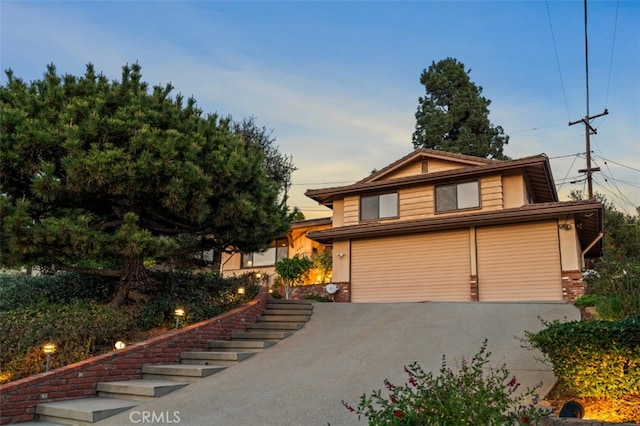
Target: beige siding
column 338, row 213
column 351, row 210
column 341, row 260
column 437, row 165
column 411, row 169
column 433, row 266
column 570, row 252
column 514, row 192
column 519, row 262
column 416, row 202
column 491, row 192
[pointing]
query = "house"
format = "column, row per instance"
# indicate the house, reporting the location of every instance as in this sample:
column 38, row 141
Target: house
column 438, row 226
column 294, row 242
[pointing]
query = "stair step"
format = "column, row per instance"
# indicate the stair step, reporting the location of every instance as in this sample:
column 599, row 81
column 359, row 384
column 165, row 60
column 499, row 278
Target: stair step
column 261, row 335
column 214, row 358
column 239, row 345
column 291, row 306
column 138, row 390
column 179, row 372
column 283, row 318
column 82, row 411
column 286, row 313
column 289, row 302
column 275, row 325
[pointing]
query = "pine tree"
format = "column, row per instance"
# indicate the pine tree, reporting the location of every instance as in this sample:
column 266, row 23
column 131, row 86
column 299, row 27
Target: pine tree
column 453, row 116
column 97, row 175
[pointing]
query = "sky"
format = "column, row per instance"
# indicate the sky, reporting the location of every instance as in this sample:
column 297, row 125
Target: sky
column 338, row 82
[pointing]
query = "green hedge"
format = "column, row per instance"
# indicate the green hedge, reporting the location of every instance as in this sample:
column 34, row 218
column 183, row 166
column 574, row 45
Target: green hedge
column 593, row 358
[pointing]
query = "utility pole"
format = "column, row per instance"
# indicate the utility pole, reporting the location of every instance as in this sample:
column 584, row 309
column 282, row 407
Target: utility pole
column 588, row 129
column 587, row 119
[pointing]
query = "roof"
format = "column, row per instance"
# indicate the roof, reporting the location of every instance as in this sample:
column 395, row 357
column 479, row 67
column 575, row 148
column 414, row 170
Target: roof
column 424, row 153
column 587, row 214
column 536, row 169
column 311, row 222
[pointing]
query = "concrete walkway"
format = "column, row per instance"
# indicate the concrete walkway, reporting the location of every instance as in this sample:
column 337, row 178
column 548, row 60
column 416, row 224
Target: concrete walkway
column 346, row 350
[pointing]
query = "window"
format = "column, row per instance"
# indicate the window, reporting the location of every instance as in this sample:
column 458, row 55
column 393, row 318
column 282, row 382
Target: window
column 457, row 196
column 378, row 206
column 278, row 250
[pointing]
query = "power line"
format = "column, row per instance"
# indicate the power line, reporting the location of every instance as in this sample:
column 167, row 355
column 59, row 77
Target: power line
column 555, row 49
column 620, row 164
column 613, row 43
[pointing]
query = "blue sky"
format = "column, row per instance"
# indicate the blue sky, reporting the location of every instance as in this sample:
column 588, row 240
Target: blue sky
column 338, row 82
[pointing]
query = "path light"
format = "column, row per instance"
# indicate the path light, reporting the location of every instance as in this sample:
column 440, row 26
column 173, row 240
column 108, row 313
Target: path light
column 48, row 349
column 241, row 291
column 120, row 345
column 179, row 313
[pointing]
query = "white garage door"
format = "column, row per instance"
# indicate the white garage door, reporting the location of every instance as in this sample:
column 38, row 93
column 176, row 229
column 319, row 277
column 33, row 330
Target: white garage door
column 519, row 262
column 412, row 268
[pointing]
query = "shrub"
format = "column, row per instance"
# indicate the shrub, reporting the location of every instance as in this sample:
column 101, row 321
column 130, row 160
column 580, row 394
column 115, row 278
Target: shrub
column 616, row 283
column 472, row 395
column 79, row 329
column 586, row 300
column 593, row 358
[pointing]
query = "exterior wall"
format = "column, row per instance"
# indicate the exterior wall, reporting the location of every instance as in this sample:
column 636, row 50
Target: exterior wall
column 341, row 261
column 514, row 191
column 301, row 292
column 572, row 286
column 437, row 165
column 412, row 169
column 491, row 193
column 338, row 213
column 19, row 399
column 570, row 253
column 351, row 210
column 298, row 244
column 418, row 202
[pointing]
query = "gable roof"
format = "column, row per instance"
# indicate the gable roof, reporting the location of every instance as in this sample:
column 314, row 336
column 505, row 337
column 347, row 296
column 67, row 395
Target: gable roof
column 537, row 171
column 423, row 154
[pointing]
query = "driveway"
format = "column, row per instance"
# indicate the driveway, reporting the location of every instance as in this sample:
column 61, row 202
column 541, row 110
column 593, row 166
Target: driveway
column 346, row 350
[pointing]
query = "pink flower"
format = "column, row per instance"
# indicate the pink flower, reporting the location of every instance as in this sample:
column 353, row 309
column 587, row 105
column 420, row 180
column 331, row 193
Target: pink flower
column 394, row 399
column 524, row 420
column 413, row 381
column 398, row 414
column 513, row 381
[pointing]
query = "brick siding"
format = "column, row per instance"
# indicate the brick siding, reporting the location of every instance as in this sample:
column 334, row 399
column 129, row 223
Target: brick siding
column 572, row 285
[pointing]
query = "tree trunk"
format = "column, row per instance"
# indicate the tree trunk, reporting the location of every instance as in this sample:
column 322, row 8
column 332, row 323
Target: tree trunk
column 134, row 278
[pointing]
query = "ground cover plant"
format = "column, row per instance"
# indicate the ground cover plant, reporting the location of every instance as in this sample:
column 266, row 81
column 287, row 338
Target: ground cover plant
column 72, row 310
column 475, row 394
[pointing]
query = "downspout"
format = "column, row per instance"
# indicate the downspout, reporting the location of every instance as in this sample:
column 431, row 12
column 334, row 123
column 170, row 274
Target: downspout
column 593, row 243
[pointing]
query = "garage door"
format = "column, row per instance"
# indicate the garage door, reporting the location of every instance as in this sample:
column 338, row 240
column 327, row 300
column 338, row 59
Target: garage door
column 411, row 268
column 519, row 262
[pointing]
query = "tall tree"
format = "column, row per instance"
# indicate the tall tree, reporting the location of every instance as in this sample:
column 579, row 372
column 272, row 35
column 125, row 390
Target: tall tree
column 96, row 175
column 453, row 116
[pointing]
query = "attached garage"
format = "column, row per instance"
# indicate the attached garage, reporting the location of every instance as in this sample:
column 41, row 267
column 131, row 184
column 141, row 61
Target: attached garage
column 417, row 267
column 519, row 262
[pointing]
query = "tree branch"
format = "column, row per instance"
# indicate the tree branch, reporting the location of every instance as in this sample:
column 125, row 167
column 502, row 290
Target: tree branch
column 86, row 270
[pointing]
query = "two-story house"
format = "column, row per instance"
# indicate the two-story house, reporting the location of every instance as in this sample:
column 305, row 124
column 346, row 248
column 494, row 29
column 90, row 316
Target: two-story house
column 438, row 226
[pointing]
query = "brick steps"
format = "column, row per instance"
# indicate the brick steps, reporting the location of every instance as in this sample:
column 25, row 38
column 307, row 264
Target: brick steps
column 279, row 321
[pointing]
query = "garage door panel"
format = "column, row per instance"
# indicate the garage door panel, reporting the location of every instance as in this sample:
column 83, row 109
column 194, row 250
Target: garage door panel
column 519, row 262
column 432, row 266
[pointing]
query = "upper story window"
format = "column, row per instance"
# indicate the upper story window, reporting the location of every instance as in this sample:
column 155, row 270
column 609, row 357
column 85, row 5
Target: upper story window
column 379, row 206
column 457, row 196
column 278, row 250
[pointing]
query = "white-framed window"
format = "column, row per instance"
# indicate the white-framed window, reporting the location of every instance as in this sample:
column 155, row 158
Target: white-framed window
column 457, row 196
column 268, row 257
column 379, row 206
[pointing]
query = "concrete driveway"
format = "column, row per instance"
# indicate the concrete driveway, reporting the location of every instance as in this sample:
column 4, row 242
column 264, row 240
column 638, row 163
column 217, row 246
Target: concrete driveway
column 346, row 350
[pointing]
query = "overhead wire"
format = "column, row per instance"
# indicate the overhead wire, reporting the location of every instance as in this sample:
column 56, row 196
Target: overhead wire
column 555, row 49
column 613, row 43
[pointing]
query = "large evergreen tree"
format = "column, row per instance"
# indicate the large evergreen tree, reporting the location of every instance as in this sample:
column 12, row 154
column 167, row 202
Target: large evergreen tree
column 97, row 175
column 453, row 116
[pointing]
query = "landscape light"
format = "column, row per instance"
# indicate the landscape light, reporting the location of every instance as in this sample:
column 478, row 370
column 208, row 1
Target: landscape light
column 241, row 291
column 179, row 313
column 48, row 349
column 120, row 345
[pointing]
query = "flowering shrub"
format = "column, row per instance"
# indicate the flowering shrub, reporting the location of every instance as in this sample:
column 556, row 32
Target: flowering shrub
column 471, row 396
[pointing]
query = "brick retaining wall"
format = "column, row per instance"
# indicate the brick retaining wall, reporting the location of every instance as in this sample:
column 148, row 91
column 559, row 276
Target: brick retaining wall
column 18, row 399
column 572, row 286
column 299, row 292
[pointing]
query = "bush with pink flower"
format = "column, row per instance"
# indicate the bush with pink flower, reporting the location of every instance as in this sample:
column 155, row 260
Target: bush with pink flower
column 473, row 395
